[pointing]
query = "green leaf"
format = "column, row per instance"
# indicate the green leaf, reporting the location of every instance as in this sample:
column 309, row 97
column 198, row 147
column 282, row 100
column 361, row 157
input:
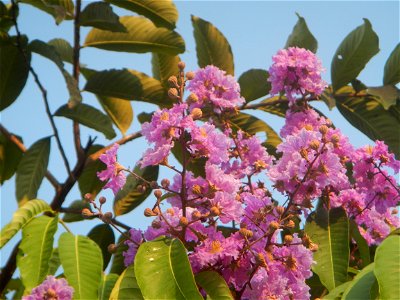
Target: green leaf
column 6, row 16
column 10, row 156
column 107, row 285
column 88, row 181
column 336, row 293
column 361, row 243
column 76, row 208
column 31, row 170
column 330, row 231
column 128, row 85
column 254, row 84
column 59, row 9
column 168, row 259
column 161, row 13
column 353, row 54
column 54, row 262
column 164, row 66
column 360, row 286
column 63, row 49
column 35, row 250
column 89, row 116
column 212, row 47
column 316, row 287
column 301, row 36
column 82, row 263
column 103, row 235
column 141, row 36
column 367, row 115
column 117, row 264
column 50, row 52
column 21, row 217
column 128, row 198
column 101, row 15
column 391, row 73
column 374, row 292
column 214, row 285
column 277, row 108
column 120, row 112
column 14, row 72
column 386, row 95
column 126, row 286
column 387, row 267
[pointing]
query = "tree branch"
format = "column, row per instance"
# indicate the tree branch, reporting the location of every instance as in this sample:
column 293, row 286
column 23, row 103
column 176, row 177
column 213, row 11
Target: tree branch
column 8, row 270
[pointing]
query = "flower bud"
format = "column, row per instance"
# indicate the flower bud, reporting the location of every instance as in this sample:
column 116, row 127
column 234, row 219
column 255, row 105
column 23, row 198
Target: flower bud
column 288, row 239
column 165, row 183
column 157, row 194
column 86, row 213
column 196, row 113
column 189, row 75
column 260, row 260
column 335, row 139
column 102, row 200
column 106, row 218
column 395, row 211
column 246, row 232
column 153, row 184
column 173, row 93
column 273, row 225
column 183, row 221
column 171, row 211
column 192, row 98
column 88, row 197
column 173, row 82
column 280, row 210
column 196, row 215
column 290, row 224
column 112, row 248
column 181, row 65
column 149, row 213
column 214, row 211
column 314, row 144
column 304, row 153
column 323, row 129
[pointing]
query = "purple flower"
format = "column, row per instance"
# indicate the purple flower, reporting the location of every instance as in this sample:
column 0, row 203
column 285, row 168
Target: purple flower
column 296, row 71
column 51, row 289
column 113, row 174
column 133, row 244
column 213, row 87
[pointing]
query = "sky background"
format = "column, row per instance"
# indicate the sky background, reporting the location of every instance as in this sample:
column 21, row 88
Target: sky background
column 255, row 31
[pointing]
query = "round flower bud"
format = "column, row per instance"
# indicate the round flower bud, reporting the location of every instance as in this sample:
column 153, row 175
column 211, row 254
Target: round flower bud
column 86, row 213
column 165, row 183
column 173, row 93
column 246, row 233
column 192, row 98
column 153, row 184
column 196, row 113
column 88, row 197
column 304, row 153
column 102, row 200
column 157, row 193
column 260, row 259
column 323, row 129
column 173, row 81
column 107, row 217
column 280, row 210
column 288, row 239
column 181, row 65
column 335, row 138
column 183, row 221
column 290, row 224
column 149, row 213
column 273, row 225
column 214, row 211
column 314, row 145
column 112, row 248
column 394, row 211
column 189, row 75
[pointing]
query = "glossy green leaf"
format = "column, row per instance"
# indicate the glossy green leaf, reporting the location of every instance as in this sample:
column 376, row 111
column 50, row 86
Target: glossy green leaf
column 88, row 181
column 316, row 287
column 197, row 165
column 164, row 66
column 76, row 208
column 367, row 115
column 360, row 286
column 128, row 198
column 387, row 267
column 54, row 262
column 386, row 95
column 117, row 264
column 168, row 259
column 301, row 36
column 10, row 156
column 89, row 116
column 63, row 49
column 103, row 235
column 161, row 13
column 31, row 170
column 353, row 54
column 82, row 263
column 59, row 9
column 14, row 72
column 336, row 293
column 128, row 85
column 275, row 108
column 21, row 217
column 141, row 36
column 107, row 285
column 120, row 111
column 391, row 74
column 254, row 84
column 212, row 47
column 330, row 231
column 126, row 286
column 362, row 244
column 101, row 15
column 214, row 285
column 374, row 292
column 35, row 250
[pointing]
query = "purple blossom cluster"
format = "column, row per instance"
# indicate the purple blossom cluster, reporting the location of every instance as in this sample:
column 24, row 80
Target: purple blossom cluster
column 315, row 160
column 51, row 289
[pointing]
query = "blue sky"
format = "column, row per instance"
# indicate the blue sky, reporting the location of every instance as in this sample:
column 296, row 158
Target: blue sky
column 255, row 30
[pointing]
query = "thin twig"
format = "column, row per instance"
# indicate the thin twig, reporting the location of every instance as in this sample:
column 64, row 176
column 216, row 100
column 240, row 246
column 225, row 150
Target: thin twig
column 9, row 268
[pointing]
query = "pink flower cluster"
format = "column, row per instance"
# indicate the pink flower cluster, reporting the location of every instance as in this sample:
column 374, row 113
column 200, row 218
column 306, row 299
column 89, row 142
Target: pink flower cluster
column 296, row 71
column 51, row 288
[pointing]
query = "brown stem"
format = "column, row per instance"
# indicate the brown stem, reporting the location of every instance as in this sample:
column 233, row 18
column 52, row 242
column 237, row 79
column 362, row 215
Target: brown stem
column 8, row 270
